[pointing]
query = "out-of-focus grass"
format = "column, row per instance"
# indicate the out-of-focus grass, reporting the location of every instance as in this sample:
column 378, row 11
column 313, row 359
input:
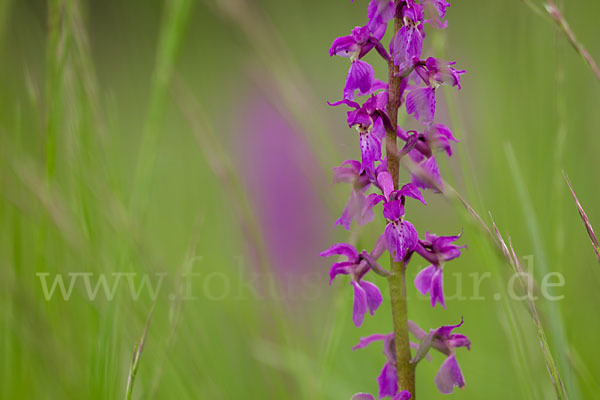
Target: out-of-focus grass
column 101, row 172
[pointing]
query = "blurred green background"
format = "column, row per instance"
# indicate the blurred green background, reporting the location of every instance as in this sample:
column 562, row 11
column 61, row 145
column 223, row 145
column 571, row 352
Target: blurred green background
column 179, row 136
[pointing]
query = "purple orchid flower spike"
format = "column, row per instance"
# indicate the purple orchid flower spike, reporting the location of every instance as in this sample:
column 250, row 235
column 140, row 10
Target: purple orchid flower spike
column 437, row 250
column 443, row 340
column 350, row 172
column 367, row 296
column 415, row 80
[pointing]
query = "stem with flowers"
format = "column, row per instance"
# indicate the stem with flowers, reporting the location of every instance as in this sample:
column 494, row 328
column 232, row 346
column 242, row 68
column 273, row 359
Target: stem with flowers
column 412, row 82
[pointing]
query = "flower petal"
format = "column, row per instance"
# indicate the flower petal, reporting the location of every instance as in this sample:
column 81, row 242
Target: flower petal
column 424, row 278
column 363, row 396
column 347, row 172
column 437, row 288
column 421, row 103
column 374, row 298
column 393, row 210
column 370, row 150
column 354, row 210
column 403, row 395
column 431, row 178
column 367, row 340
column 344, row 249
column 444, row 332
column 400, row 239
column 360, row 76
column 411, row 190
column 344, row 46
column 449, row 375
column 360, row 304
column 339, row 268
column 386, row 183
column 388, row 381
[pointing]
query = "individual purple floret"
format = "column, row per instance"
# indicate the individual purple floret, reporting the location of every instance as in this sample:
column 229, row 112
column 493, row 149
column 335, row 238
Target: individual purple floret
column 437, row 250
column 438, row 137
column 443, row 340
column 360, row 76
column 388, row 385
column 387, row 380
column 350, row 172
column 420, row 101
column 368, row 123
column 366, row 295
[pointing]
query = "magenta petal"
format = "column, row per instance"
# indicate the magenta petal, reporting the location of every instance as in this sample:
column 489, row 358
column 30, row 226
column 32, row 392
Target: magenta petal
column 444, row 332
column 374, row 298
column 387, row 380
column 400, row 239
column 347, row 172
column 403, row 395
column 354, row 209
column 408, row 43
column 346, row 218
column 393, row 210
column 371, row 201
column 437, row 288
column 365, row 341
column 433, row 178
column 421, row 103
column 344, row 46
column 360, row 304
column 424, row 278
column 458, row 340
column 449, row 375
column 339, row 268
column 440, row 6
column 370, row 149
column 363, row 396
column 360, row 76
column 411, row 190
column 386, row 183
column 342, row 249
column 379, row 13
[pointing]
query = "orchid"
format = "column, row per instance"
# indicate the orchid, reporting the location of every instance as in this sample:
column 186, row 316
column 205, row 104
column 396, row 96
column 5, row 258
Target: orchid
column 437, row 250
column 373, row 107
column 366, row 294
column 443, row 340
